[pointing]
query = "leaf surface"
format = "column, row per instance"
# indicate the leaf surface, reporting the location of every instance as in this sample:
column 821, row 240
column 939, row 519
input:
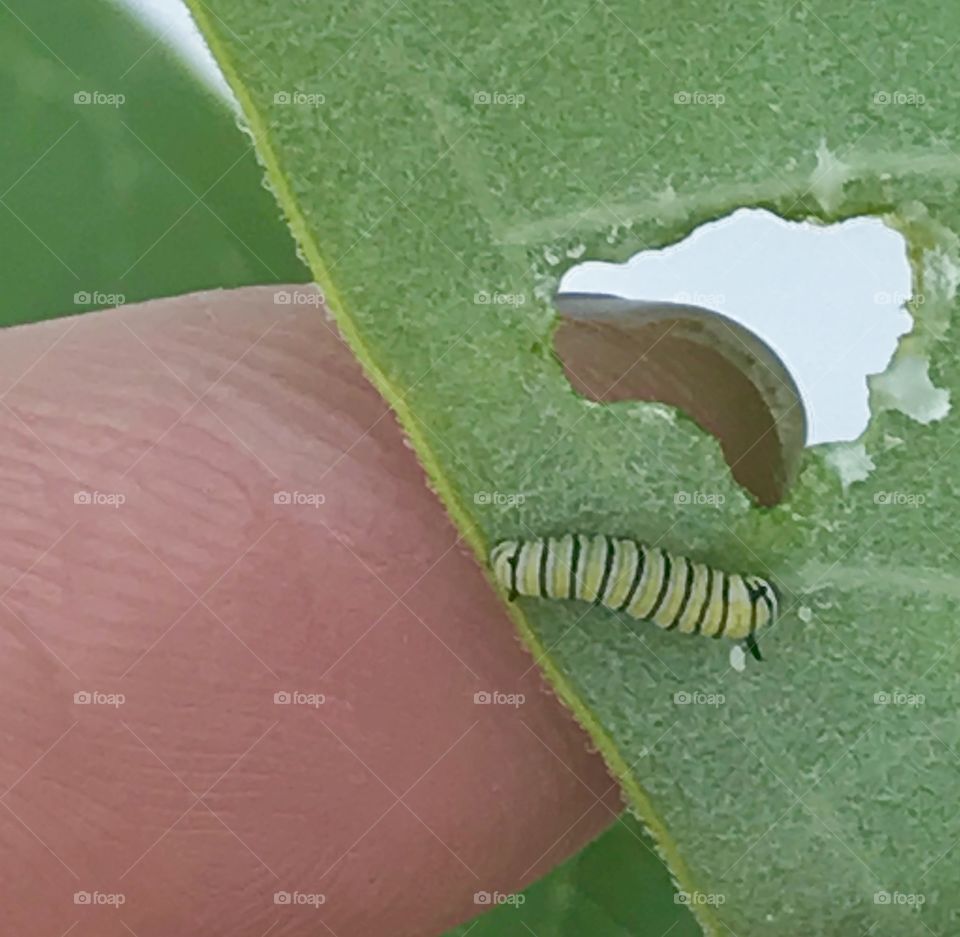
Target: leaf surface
column 454, row 153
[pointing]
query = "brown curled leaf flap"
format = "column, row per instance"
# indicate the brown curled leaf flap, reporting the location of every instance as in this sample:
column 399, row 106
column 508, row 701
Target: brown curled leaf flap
column 713, row 369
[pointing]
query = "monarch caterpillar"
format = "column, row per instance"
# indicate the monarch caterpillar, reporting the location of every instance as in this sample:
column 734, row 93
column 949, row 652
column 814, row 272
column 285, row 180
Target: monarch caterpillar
column 645, row 582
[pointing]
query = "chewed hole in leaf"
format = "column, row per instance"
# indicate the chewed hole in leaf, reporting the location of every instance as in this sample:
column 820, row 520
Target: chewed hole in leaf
column 762, row 330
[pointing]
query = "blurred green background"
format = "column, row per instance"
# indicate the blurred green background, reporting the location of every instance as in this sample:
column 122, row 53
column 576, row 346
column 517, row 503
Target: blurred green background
column 155, row 196
column 615, row 887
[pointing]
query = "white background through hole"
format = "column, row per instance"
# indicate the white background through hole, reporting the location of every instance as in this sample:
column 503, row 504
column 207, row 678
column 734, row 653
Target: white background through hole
column 828, row 299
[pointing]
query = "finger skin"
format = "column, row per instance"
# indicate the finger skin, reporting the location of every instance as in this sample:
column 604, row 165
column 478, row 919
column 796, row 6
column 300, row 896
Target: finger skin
column 205, row 504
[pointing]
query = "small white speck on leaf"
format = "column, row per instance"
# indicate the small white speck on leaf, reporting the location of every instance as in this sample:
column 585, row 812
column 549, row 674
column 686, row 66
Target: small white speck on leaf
column 828, row 178
column 906, row 386
column 850, row 461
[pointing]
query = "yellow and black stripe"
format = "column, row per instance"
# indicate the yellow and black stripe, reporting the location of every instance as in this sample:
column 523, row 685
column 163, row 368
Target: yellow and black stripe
column 673, row 592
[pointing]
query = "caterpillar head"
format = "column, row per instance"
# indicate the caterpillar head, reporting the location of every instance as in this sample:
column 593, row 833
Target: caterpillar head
column 764, row 594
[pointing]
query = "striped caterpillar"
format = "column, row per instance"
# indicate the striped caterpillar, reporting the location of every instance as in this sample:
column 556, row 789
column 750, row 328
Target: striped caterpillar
column 673, row 592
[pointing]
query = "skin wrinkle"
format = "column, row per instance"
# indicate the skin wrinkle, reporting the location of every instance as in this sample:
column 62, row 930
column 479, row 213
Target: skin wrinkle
column 199, row 598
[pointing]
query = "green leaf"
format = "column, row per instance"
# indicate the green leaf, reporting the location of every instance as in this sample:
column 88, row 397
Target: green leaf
column 607, row 890
column 800, row 800
column 102, row 203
